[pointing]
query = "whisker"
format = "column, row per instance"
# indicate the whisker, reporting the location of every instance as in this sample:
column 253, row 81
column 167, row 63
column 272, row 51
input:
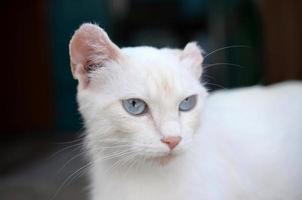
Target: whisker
column 227, row 47
column 119, row 162
column 79, row 135
column 205, row 76
column 67, row 180
column 70, row 160
column 78, row 139
column 115, row 155
column 214, row 84
column 116, row 146
column 131, row 162
column 76, row 146
column 206, row 66
column 78, row 175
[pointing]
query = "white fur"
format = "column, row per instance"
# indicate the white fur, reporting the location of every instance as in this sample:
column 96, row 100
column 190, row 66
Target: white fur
column 245, row 145
column 253, row 143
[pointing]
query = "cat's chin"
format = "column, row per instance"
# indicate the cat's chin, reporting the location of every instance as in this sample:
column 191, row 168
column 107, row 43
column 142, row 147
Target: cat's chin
column 164, row 160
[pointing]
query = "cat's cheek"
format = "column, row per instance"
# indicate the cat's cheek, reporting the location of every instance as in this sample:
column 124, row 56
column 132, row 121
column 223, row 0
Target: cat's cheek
column 196, row 123
column 191, row 121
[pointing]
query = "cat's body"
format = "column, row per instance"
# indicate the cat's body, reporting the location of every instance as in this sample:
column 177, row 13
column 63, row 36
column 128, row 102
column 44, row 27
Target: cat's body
column 243, row 144
column 249, row 147
column 256, row 135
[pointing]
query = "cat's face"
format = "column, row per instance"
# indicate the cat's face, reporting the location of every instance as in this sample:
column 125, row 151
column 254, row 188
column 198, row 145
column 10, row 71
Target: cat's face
column 138, row 103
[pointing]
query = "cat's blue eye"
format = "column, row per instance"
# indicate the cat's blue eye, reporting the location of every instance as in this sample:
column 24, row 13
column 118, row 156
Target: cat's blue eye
column 188, row 103
column 134, row 106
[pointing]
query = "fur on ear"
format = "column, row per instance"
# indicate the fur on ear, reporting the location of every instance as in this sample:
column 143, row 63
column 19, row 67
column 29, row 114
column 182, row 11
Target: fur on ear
column 90, row 48
column 192, row 57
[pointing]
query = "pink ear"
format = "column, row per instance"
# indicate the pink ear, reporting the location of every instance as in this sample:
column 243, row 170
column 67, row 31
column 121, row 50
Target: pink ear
column 192, row 57
column 89, row 48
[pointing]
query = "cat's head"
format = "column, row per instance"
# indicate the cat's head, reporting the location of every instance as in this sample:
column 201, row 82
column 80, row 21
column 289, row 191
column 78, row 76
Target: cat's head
column 139, row 103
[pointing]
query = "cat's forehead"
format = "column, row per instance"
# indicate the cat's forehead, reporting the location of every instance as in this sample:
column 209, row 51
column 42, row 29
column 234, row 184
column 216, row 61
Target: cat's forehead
column 153, row 73
column 147, row 53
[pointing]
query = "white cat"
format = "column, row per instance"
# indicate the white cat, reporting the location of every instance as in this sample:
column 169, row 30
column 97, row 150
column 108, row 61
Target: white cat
column 152, row 133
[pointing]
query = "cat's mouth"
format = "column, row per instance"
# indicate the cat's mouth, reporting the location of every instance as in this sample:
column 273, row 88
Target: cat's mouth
column 168, row 157
column 164, row 160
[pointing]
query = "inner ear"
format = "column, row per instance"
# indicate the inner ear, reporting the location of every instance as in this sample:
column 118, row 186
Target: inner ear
column 90, row 48
column 192, row 58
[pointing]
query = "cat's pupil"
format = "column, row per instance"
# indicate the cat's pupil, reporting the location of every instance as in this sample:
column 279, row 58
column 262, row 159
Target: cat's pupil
column 134, row 106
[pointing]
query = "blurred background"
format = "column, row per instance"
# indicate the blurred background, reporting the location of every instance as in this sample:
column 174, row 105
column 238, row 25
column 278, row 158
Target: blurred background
column 246, row 42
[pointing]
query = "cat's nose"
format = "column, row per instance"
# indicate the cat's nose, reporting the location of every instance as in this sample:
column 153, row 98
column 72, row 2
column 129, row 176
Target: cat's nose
column 172, row 142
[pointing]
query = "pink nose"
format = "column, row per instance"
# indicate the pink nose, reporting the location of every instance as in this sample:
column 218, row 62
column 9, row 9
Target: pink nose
column 172, row 142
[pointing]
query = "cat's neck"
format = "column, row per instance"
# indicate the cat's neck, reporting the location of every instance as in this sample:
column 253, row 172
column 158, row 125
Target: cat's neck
column 138, row 181
column 143, row 168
